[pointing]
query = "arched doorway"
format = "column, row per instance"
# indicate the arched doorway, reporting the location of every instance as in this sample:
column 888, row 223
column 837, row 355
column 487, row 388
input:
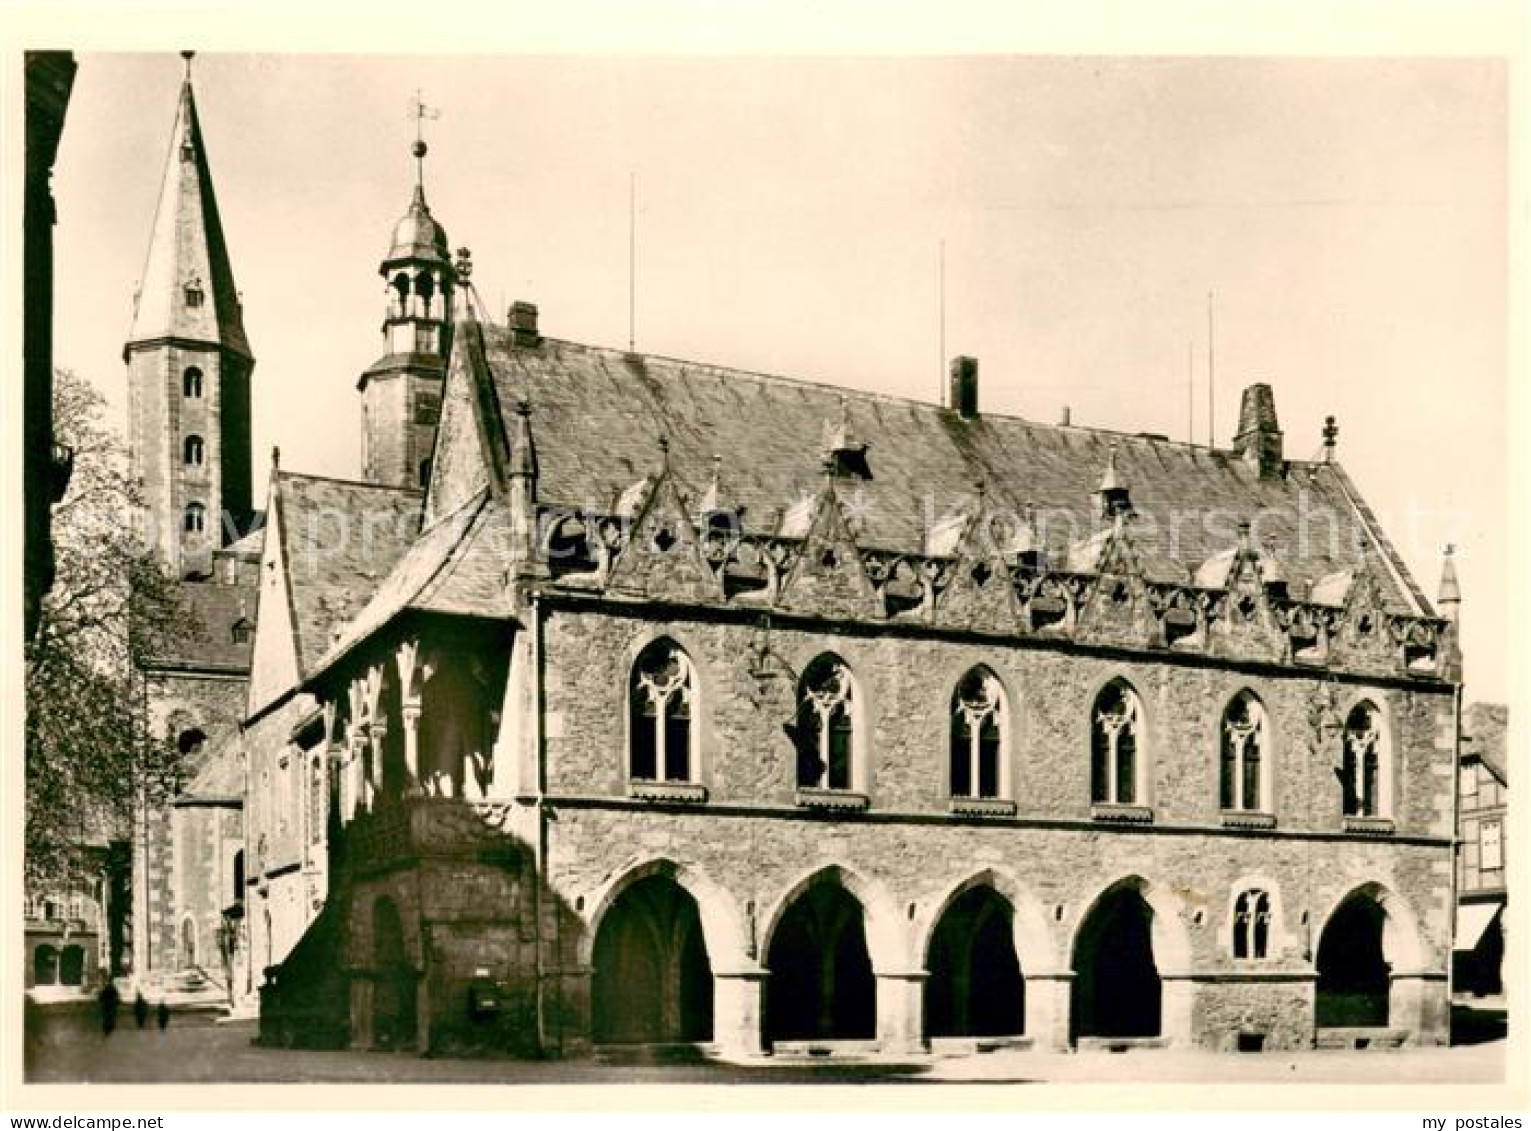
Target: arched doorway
column 652, row 982
column 188, row 942
column 974, row 987
column 821, row 984
column 71, row 966
column 393, row 995
column 1117, row 991
column 44, row 965
column 1353, row 977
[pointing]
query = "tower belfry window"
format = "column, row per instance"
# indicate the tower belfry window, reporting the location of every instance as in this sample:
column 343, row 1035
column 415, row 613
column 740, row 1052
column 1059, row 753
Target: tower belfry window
column 194, row 519
column 193, row 293
column 191, row 383
column 192, row 451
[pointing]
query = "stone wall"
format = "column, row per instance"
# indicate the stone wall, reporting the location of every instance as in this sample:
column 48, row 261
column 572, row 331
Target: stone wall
column 748, row 848
column 285, row 868
column 177, row 703
column 207, row 837
column 905, row 684
column 471, row 919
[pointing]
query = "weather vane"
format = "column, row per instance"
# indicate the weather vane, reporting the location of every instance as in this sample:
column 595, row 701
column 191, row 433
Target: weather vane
column 422, row 113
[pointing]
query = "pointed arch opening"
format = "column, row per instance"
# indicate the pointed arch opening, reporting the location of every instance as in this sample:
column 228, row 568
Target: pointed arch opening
column 652, row 980
column 979, row 726
column 1251, row 924
column 821, row 985
column 1117, row 989
column 1116, row 731
column 45, row 965
column 188, row 942
column 974, row 986
column 393, row 992
column 1244, row 755
column 661, row 711
column 71, row 965
column 825, row 730
column 1368, row 952
column 1364, row 769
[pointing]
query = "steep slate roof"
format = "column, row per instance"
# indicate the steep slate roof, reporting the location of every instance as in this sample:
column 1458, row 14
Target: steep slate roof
column 598, row 416
column 187, row 244
column 340, row 539
column 1485, row 734
column 456, row 567
column 206, row 640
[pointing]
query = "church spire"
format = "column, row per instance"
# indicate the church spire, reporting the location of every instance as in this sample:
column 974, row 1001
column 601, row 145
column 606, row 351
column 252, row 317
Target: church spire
column 187, row 290
column 189, row 364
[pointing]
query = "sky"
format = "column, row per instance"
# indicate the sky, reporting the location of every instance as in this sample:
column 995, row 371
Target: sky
column 1348, row 216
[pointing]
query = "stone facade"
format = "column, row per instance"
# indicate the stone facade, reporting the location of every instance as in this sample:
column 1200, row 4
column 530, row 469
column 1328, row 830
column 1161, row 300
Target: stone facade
column 183, row 856
column 498, row 836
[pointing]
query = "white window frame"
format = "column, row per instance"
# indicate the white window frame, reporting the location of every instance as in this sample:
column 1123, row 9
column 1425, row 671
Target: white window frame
column 1131, row 718
column 683, row 687
column 1381, row 749
column 823, row 705
column 1496, row 840
column 1258, row 731
column 973, row 714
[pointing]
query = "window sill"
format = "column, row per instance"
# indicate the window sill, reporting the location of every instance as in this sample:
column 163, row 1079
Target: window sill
column 1369, row 826
column 687, row 792
column 1126, row 814
column 840, row 799
column 1248, row 819
column 982, row 807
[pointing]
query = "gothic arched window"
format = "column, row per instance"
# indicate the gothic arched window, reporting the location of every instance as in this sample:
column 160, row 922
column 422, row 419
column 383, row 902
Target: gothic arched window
column 1115, row 725
column 194, row 518
column 1243, row 742
column 191, row 382
column 826, row 729
column 1361, row 767
column 1251, row 924
column 977, row 735
column 660, row 693
column 191, row 451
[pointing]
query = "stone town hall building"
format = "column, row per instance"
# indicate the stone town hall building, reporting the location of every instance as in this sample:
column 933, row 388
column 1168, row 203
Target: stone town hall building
column 635, row 700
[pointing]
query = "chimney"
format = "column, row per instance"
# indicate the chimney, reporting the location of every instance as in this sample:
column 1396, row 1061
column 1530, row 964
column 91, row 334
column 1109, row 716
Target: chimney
column 523, row 323
column 1066, row 418
column 964, row 387
column 1258, row 439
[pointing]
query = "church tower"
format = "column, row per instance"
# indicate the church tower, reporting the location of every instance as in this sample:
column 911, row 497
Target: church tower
column 189, row 365
column 401, row 391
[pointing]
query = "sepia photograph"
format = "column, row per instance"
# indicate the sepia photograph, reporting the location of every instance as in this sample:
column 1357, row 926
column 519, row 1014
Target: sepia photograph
column 762, row 569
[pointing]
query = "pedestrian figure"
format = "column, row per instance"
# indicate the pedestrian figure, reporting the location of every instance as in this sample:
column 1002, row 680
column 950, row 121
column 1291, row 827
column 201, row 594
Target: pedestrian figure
column 164, row 1016
column 110, row 1000
column 140, row 1009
